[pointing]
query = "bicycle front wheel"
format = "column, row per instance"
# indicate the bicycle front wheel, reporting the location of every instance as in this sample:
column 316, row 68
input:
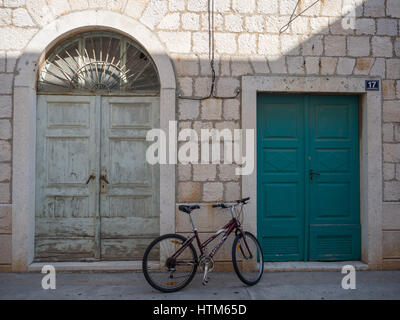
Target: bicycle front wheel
column 247, row 258
column 164, row 270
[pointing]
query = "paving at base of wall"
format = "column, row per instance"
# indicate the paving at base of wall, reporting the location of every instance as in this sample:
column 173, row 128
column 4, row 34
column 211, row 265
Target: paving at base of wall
column 222, row 286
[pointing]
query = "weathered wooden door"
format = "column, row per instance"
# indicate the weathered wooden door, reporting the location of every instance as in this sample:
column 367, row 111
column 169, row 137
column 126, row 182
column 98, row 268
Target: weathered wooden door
column 96, row 196
column 129, row 204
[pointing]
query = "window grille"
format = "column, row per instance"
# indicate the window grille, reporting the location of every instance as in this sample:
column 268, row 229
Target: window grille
column 99, row 62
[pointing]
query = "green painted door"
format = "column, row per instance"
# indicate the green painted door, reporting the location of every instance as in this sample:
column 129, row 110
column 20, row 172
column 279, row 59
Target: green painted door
column 308, row 177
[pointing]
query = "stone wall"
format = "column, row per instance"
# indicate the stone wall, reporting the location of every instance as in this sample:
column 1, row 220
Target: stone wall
column 247, row 41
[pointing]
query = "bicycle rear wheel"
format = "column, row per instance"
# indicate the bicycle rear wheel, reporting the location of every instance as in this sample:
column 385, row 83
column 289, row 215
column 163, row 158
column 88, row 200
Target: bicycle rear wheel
column 164, row 272
column 247, row 258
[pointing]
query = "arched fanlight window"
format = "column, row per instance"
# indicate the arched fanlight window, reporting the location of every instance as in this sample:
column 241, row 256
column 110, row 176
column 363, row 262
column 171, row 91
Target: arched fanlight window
column 99, row 62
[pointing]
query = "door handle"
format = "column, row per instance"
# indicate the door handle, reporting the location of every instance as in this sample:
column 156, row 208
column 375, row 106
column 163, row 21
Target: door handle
column 104, row 178
column 91, row 177
column 313, row 173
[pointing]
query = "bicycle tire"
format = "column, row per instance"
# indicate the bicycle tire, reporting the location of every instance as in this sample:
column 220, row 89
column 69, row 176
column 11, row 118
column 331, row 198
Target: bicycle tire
column 245, row 279
column 147, row 254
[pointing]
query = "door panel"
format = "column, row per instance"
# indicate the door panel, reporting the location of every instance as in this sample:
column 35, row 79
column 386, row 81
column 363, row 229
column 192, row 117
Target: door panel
column 304, row 214
column 280, row 180
column 66, row 206
column 78, row 218
column 334, row 215
column 129, row 207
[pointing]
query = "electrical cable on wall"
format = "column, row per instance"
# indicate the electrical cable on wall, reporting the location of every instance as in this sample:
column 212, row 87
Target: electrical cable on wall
column 211, row 55
column 293, row 17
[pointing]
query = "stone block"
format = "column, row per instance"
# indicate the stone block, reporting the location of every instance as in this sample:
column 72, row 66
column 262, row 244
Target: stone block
column 390, row 244
column 233, row 23
column 6, row 82
column 391, row 152
column 133, row 8
column 391, row 111
column 197, row 5
column 345, row 66
column 5, row 172
column 189, row 191
column 240, row 67
column 391, row 191
column 175, row 41
column 226, row 87
column 204, row 172
column 211, row 109
column 188, row 110
column 186, row 65
column 358, row 46
column 170, row 22
column 312, row 65
column 389, row 89
column 328, row 65
column 5, row 151
column 254, row 24
column 5, row 107
column 247, row 44
column 227, row 172
column 190, row 21
column 312, row 46
column 379, row 68
column 260, row 64
column 154, row 13
column 5, row 194
column 231, row 110
column 382, row 47
column 225, row 43
column 388, row 132
column 387, row 27
column 267, row 6
column 374, row 8
column 232, row 191
column 335, row 46
column 393, row 69
column 5, row 249
column 5, row 219
column 290, row 44
column 393, row 8
column 184, row 172
column 365, row 26
column 241, row 6
column 5, row 129
column 389, row 171
column 213, row 191
column 363, row 66
column 319, row 25
column 295, row 65
column 200, row 42
column 269, row 45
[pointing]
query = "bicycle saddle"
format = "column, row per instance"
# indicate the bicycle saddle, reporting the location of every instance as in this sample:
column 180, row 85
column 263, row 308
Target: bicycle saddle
column 188, row 209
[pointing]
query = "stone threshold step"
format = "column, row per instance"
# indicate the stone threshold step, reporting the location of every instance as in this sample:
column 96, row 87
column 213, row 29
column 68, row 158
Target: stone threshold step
column 312, row 266
column 119, row 266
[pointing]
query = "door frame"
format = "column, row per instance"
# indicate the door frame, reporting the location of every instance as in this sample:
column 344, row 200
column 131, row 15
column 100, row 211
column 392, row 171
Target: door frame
column 24, row 126
column 370, row 120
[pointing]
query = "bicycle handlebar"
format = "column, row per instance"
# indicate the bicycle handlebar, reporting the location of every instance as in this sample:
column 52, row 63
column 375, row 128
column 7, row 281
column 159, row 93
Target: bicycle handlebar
column 224, row 206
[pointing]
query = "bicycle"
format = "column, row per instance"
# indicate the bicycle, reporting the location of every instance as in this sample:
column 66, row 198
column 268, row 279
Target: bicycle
column 171, row 261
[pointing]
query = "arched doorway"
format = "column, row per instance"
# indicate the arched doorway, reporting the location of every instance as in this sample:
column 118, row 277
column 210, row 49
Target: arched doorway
column 25, row 115
column 97, row 198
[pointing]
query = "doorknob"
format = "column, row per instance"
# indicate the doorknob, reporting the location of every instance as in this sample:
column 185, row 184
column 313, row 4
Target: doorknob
column 313, row 173
column 103, row 177
column 91, row 177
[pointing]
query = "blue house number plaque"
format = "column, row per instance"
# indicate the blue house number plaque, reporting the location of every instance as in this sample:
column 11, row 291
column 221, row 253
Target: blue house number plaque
column 371, row 85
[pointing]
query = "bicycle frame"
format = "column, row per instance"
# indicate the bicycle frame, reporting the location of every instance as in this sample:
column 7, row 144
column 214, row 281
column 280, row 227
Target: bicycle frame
column 228, row 229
